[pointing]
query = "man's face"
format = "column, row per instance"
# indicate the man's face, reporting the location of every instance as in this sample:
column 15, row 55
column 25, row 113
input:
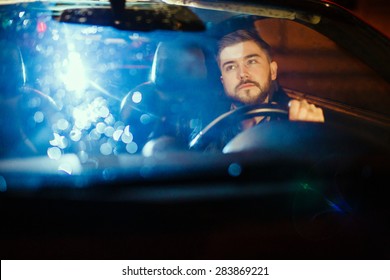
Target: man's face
column 247, row 72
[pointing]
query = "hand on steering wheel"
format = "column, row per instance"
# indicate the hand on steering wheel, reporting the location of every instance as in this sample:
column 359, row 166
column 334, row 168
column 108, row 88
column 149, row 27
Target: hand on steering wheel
column 214, row 129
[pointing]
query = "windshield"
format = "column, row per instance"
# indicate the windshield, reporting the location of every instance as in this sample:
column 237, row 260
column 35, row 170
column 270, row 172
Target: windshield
column 78, row 88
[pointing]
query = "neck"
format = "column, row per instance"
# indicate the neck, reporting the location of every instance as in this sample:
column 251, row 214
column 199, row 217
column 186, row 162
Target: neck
column 245, row 124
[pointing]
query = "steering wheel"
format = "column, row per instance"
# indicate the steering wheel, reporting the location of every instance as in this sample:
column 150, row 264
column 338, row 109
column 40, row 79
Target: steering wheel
column 40, row 107
column 212, row 132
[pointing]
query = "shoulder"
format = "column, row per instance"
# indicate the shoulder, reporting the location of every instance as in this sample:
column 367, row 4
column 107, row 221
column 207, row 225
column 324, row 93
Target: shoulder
column 279, row 96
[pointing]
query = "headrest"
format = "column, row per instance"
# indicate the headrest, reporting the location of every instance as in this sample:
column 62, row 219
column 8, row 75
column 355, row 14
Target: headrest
column 178, row 66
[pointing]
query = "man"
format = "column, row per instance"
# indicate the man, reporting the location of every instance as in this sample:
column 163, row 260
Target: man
column 248, row 75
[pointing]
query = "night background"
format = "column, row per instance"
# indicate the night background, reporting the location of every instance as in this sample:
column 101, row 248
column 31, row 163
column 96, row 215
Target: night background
column 375, row 12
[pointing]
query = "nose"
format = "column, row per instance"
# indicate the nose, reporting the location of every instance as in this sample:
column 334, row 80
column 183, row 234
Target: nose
column 243, row 72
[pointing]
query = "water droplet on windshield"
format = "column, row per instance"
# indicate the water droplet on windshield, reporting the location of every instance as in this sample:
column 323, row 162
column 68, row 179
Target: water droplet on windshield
column 100, row 127
column 62, row 124
column 110, row 120
column 39, row 117
column 137, row 97
column 54, row 153
column 75, row 135
column 127, row 136
column 234, row 169
column 145, row 119
column 94, row 134
column 104, row 112
column 117, row 134
column 132, row 148
column 83, row 156
column 59, row 141
column 106, row 149
column 119, row 125
column 109, row 131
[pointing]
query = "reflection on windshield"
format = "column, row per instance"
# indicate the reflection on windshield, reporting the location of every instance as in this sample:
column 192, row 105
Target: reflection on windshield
column 98, row 91
column 85, row 94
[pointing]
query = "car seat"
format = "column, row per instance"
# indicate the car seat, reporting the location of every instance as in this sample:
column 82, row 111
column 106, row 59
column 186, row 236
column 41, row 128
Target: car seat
column 171, row 103
column 16, row 104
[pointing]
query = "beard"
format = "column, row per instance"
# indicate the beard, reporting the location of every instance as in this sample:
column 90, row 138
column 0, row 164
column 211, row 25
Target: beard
column 252, row 96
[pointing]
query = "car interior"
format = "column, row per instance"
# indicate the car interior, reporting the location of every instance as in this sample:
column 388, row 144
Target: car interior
column 106, row 113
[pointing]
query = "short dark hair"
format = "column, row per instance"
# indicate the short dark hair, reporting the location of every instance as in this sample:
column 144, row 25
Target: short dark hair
column 240, row 36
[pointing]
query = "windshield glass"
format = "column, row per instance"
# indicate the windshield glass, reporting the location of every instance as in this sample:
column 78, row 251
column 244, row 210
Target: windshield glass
column 74, row 84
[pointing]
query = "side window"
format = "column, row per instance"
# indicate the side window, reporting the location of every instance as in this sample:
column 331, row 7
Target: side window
column 310, row 63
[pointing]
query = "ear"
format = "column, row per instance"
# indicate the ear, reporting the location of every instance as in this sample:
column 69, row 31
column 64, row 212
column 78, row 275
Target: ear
column 274, row 70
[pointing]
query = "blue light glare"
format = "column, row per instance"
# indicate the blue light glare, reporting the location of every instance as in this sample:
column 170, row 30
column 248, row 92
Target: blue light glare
column 86, row 114
column 75, row 79
column 338, row 207
column 334, row 206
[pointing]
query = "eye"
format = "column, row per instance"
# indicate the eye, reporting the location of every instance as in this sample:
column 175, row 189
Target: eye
column 230, row 67
column 252, row 61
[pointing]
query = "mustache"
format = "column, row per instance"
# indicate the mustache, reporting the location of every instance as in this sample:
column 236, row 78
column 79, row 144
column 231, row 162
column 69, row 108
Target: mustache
column 247, row 81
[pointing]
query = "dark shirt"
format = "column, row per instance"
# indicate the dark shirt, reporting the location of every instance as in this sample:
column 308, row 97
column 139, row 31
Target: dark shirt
column 277, row 96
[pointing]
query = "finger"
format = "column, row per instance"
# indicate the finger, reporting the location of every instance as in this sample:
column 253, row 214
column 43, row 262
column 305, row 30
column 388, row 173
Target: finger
column 303, row 110
column 318, row 115
column 294, row 109
column 311, row 107
column 314, row 114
